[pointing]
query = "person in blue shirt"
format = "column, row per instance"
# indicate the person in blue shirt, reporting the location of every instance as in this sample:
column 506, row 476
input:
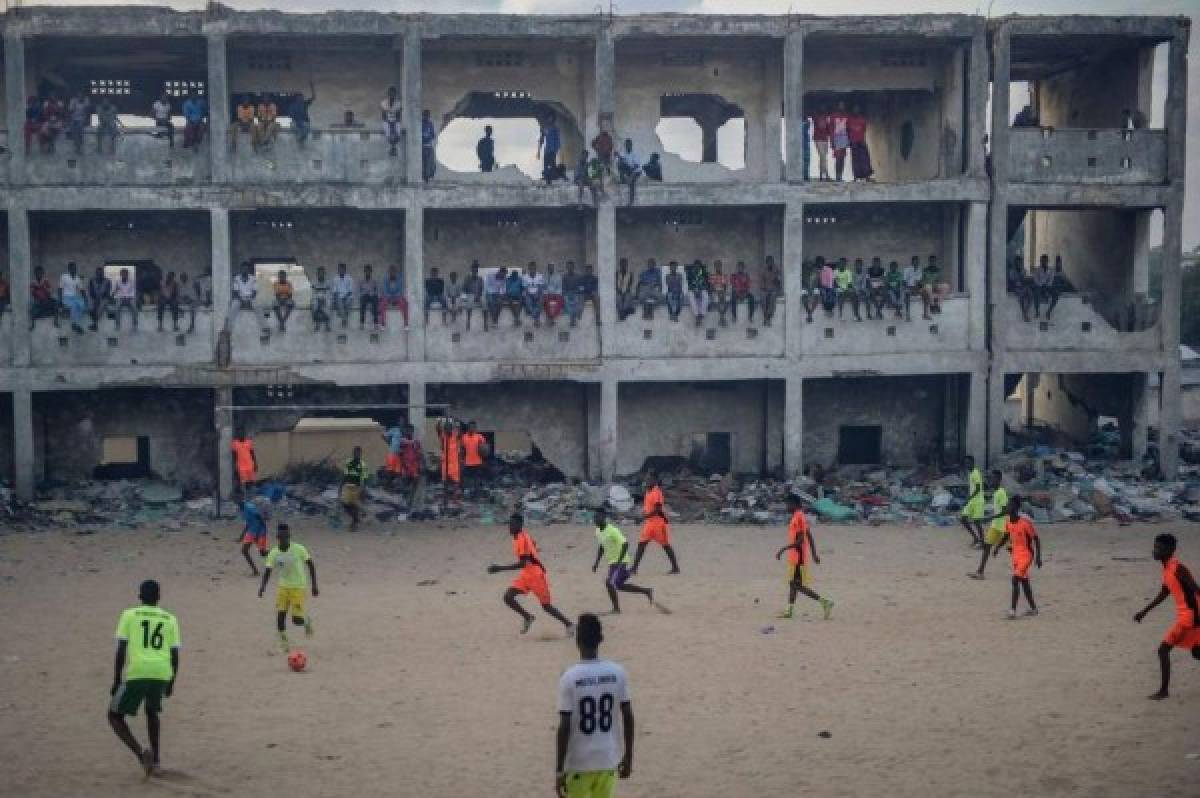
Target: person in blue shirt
column 514, row 294
column 195, row 117
column 428, row 146
column 254, row 532
column 549, row 143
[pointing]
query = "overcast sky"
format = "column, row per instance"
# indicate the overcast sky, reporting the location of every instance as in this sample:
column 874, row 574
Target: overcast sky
column 994, row 7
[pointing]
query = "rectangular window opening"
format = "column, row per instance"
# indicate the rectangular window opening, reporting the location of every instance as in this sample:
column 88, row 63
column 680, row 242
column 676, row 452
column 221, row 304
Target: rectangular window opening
column 860, row 445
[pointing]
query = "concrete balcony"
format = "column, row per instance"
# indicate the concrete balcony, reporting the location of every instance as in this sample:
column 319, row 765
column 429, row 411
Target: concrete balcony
column 452, row 341
column 1110, row 156
column 139, row 160
column 257, row 341
column 660, row 337
column 945, row 331
column 1074, row 326
column 59, row 346
column 330, row 156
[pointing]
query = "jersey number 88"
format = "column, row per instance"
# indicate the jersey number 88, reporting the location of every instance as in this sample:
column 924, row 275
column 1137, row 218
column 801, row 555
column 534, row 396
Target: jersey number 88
column 589, row 718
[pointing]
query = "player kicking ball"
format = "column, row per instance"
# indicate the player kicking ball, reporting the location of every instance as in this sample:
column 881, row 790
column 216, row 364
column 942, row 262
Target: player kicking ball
column 1026, row 547
column 532, row 578
column 290, row 560
column 146, row 666
column 589, row 750
column 616, row 547
column 1179, row 584
column 801, row 548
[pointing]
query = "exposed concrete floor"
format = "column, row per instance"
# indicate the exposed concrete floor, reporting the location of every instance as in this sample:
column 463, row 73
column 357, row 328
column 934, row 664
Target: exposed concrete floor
column 430, row 691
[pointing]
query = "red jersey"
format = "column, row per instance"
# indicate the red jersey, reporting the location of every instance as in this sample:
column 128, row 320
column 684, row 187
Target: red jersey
column 523, row 546
column 821, row 127
column 472, row 446
column 243, row 452
column 1021, row 533
column 654, row 496
column 798, row 534
column 740, row 282
column 1172, row 570
column 856, row 129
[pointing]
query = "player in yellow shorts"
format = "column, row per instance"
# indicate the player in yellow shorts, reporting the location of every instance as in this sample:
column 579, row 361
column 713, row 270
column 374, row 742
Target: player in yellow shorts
column 290, row 558
column 974, row 510
column 995, row 532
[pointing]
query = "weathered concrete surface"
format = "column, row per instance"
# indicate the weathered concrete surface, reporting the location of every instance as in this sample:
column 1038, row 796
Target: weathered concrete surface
column 140, row 159
column 451, row 341
column 329, row 155
column 59, row 347
column 6, row 328
column 1087, row 156
column 684, row 339
column 891, row 232
column 1074, row 326
column 315, row 237
column 257, row 341
column 946, row 331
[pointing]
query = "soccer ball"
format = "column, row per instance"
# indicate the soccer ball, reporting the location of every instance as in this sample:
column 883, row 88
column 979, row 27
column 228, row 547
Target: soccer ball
column 297, row 660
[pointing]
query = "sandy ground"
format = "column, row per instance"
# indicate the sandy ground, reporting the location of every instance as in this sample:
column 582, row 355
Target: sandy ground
column 428, row 690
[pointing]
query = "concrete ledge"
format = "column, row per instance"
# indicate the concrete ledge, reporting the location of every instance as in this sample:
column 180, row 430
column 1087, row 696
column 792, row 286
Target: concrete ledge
column 1075, row 326
column 1081, row 195
column 140, row 159
column 661, row 338
column 257, row 341
column 350, row 156
column 110, row 347
column 453, row 342
column 1127, row 157
column 829, row 336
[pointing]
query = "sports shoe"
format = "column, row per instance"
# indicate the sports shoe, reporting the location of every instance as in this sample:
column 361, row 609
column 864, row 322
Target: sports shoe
column 283, row 642
column 1031, row 613
column 786, row 615
column 1012, row 615
column 528, row 622
column 308, row 627
column 827, row 608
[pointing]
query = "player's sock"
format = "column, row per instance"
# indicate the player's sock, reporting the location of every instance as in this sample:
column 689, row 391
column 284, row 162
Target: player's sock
column 283, row 642
column 570, row 629
column 827, row 607
column 308, row 627
column 787, row 614
column 528, row 622
column 147, row 759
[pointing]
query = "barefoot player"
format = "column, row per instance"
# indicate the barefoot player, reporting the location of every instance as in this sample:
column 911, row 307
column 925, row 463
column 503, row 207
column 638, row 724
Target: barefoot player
column 1026, row 546
column 146, row 666
column 290, row 559
column 532, row 578
column 590, row 751
column 1180, row 585
column 801, row 548
column 616, row 547
column 655, row 527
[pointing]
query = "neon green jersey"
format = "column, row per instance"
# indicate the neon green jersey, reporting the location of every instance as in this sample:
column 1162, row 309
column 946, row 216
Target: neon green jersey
column 613, row 541
column 999, row 507
column 291, row 565
column 149, row 633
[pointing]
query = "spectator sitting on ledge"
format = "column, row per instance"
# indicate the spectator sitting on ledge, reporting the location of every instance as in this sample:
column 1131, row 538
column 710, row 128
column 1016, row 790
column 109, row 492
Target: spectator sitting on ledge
column 653, row 168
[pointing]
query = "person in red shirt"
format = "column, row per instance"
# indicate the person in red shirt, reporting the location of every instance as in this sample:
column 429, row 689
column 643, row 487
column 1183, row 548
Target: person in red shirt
column 820, row 135
column 245, row 462
column 42, row 304
column 860, row 156
column 532, row 578
column 801, row 548
column 1179, row 584
column 655, row 527
column 474, row 450
column 1026, row 547
column 739, row 282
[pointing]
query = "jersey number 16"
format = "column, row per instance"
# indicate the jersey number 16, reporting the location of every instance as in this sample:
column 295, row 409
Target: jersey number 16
column 152, row 640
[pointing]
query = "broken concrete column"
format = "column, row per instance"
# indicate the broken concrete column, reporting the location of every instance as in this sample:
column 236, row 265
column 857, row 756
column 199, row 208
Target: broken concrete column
column 606, row 82
column 23, row 451
column 976, row 274
column 1168, row 418
column 412, row 104
column 995, row 415
column 1141, row 253
column 793, row 275
column 20, row 263
column 607, row 448
column 606, row 268
column 772, row 116
column 977, row 416
column 793, row 426
column 14, row 104
column 998, row 221
column 222, row 270
column 978, row 77
column 218, row 107
column 223, row 421
column 1135, row 426
column 414, row 277
column 416, row 411
column 793, row 104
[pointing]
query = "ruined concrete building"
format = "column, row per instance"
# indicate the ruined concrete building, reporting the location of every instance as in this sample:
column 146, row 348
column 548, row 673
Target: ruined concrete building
column 1091, row 171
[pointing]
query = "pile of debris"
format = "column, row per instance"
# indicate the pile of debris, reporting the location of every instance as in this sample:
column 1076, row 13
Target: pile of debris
column 88, row 506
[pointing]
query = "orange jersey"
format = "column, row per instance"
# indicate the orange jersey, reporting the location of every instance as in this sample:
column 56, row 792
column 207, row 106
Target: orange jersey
column 1021, row 533
column 655, row 529
column 473, row 447
column 1172, row 569
column 798, row 534
column 523, row 546
column 451, row 456
column 654, row 497
column 243, row 452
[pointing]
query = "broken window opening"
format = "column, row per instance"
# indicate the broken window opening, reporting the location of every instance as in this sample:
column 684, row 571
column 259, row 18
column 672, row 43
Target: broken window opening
column 517, row 120
column 124, row 457
column 860, row 445
column 703, row 128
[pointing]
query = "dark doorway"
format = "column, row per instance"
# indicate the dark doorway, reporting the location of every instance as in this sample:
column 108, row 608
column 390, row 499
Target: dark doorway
column 712, row 453
column 859, row 445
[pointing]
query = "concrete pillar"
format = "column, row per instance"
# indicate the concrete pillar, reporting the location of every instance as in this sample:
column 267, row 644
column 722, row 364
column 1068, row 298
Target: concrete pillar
column 20, row 263
column 609, row 392
column 1139, row 416
column 23, row 454
column 976, row 274
column 995, row 413
column 793, row 103
column 976, row 443
column 606, row 271
column 222, row 269
column 953, row 119
column 998, row 228
column 708, row 140
column 14, row 104
column 412, row 102
column 223, row 421
column 793, row 426
column 218, row 107
column 414, row 277
column 1169, row 412
column 1177, row 97
column 1141, row 252
column 978, row 78
column 793, row 276
column 416, row 415
column 951, row 253
column 773, row 117
column 606, row 81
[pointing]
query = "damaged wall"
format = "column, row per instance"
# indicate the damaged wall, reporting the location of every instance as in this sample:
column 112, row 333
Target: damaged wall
column 660, row 419
column 504, row 238
column 890, row 232
column 1097, row 247
column 909, row 409
column 176, row 241
column 1073, row 403
column 711, row 234
column 69, row 428
column 321, row 238
column 351, row 76
column 553, row 414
